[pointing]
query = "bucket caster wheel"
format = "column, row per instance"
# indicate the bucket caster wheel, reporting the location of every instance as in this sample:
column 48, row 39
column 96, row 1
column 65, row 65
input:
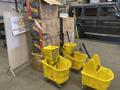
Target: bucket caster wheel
column 47, row 80
column 82, row 88
column 59, row 86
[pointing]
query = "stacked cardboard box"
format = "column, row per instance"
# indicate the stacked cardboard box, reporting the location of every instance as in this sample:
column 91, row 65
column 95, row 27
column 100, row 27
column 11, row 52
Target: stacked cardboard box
column 50, row 25
column 50, row 22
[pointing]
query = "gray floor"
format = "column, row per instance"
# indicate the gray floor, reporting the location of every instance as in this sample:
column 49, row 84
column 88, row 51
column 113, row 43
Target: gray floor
column 29, row 79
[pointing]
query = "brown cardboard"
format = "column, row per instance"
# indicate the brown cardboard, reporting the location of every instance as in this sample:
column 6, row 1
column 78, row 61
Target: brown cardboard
column 51, row 26
column 36, row 62
column 56, row 40
column 37, row 65
column 49, row 11
column 52, row 2
column 68, row 25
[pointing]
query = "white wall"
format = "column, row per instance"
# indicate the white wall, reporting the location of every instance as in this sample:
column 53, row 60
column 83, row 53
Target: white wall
column 5, row 7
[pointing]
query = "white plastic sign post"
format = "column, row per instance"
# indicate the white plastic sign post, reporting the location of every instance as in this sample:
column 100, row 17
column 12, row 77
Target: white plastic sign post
column 19, row 46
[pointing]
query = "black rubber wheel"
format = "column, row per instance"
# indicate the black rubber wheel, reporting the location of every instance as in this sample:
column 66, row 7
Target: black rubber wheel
column 47, row 80
column 59, row 86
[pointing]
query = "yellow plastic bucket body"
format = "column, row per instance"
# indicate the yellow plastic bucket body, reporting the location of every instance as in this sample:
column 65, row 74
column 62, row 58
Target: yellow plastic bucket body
column 69, row 47
column 50, row 52
column 96, row 76
column 58, row 73
column 78, row 59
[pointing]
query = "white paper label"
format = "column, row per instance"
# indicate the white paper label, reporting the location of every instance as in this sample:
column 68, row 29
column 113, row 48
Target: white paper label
column 18, row 25
column 64, row 15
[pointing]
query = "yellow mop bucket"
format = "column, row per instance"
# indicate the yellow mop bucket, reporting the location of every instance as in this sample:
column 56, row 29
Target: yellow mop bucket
column 51, row 54
column 77, row 59
column 59, row 72
column 69, row 47
column 96, row 76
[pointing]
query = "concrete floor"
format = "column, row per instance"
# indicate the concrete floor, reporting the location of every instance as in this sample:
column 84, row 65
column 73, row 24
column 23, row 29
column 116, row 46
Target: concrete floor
column 30, row 79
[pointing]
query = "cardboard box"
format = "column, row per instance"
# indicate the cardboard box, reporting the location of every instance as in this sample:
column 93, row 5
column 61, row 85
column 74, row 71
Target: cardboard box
column 37, row 65
column 56, row 40
column 52, row 27
column 49, row 11
column 68, row 25
column 36, row 62
column 71, row 36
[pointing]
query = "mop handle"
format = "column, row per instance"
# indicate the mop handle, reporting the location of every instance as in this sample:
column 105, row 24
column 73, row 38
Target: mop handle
column 68, row 36
column 86, row 50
